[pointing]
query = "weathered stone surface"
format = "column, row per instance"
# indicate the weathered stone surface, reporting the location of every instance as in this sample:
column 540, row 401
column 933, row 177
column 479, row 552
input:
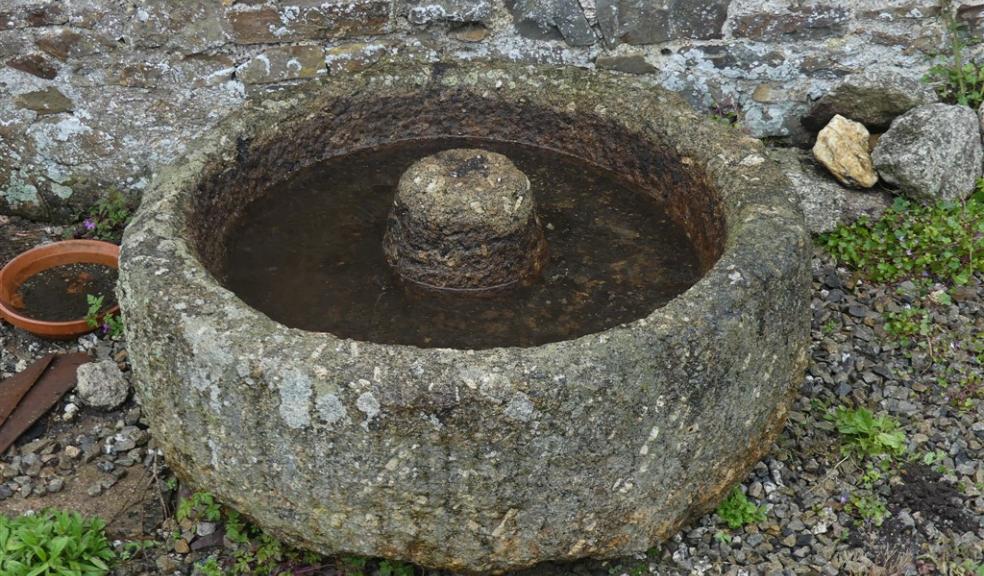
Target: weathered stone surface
column 628, row 63
column 540, row 18
column 349, row 58
column 788, row 21
column 47, row 101
column 101, row 384
column 35, row 64
column 427, row 11
column 825, row 203
column 654, row 21
column 842, row 147
column 464, row 219
column 932, row 153
column 283, row 63
column 69, row 44
column 471, row 33
column 473, row 460
column 297, row 21
column 873, row 97
column 32, row 15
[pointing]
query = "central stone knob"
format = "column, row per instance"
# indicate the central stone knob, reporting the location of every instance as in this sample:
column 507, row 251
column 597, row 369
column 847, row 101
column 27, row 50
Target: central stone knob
column 464, row 219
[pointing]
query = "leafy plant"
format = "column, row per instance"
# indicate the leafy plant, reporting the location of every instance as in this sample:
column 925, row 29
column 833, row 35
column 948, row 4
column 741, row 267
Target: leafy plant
column 869, row 508
column 908, row 323
column 957, row 80
column 868, row 435
column 111, row 324
column 737, row 510
column 910, row 240
column 107, row 219
column 54, row 543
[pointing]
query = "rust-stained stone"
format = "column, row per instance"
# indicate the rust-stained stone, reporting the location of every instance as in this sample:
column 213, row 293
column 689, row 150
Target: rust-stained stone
column 800, row 22
column 33, row 15
column 488, row 460
column 35, row 64
column 267, row 24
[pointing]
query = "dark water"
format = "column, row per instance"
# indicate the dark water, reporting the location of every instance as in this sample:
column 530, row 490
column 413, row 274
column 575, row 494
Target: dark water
column 59, row 294
column 309, row 255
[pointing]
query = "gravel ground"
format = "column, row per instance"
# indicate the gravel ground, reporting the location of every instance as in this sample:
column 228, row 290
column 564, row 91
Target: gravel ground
column 822, row 506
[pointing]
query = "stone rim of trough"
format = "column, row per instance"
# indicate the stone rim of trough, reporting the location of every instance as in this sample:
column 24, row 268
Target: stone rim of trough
column 766, row 253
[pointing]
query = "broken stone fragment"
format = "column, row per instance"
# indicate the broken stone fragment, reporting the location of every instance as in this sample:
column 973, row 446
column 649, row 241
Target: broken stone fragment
column 101, row 385
column 47, row 101
column 932, row 153
column 842, row 147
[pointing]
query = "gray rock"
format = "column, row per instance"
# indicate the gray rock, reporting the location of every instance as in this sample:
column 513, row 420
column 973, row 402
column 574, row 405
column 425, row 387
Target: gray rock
column 539, row 18
column 824, row 202
column 873, row 97
column 102, row 385
column 932, row 153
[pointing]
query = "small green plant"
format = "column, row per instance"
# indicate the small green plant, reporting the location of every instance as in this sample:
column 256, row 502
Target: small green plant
column 110, row 324
column 725, row 112
column 912, row 241
column 957, row 80
column 868, row 435
column 870, row 508
column 737, row 510
column 106, row 220
column 54, row 543
column 199, row 505
column 908, row 323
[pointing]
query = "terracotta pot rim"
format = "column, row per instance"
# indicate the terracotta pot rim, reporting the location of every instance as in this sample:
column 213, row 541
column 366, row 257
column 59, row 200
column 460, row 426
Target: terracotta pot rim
column 58, row 254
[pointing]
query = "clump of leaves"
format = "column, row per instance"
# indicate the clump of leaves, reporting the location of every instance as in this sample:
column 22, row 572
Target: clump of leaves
column 110, row 324
column 870, row 508
column 106, row 220
column 725, row 112
column 868, row 435
column 54, row 543
column 737, row 510
column 945, row 241
column 255, row 553
column 957, row 80
column 908, row 323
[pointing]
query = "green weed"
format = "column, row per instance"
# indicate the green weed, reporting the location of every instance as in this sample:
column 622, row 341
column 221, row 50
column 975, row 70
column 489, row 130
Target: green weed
column 54, row 543
column 944, row 241
column 867, row 435
column 737, row 510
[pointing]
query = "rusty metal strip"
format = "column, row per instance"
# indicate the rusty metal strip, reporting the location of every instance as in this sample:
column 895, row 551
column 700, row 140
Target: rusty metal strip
column 58, row 379
column 14, row 388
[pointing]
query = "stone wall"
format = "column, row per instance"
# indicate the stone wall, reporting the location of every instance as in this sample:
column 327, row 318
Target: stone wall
column 96, row 94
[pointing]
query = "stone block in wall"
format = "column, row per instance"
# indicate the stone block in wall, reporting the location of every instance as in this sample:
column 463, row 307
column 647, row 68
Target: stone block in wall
column 298, row 21
column 971, row 15
column 791, row 21
column 32, row 15
column 427, row 11
column 185, row 26
column 283, row 63
column 655, row 21
column 64, row 44
column 47, row 101
column 551, row 19
column 34, row 64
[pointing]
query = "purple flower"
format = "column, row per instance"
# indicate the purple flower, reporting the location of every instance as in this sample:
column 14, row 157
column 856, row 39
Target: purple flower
column 104, row 329
column 88, row 224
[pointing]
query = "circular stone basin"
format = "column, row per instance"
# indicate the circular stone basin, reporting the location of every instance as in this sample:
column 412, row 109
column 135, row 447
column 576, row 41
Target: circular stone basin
column 474, row 460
